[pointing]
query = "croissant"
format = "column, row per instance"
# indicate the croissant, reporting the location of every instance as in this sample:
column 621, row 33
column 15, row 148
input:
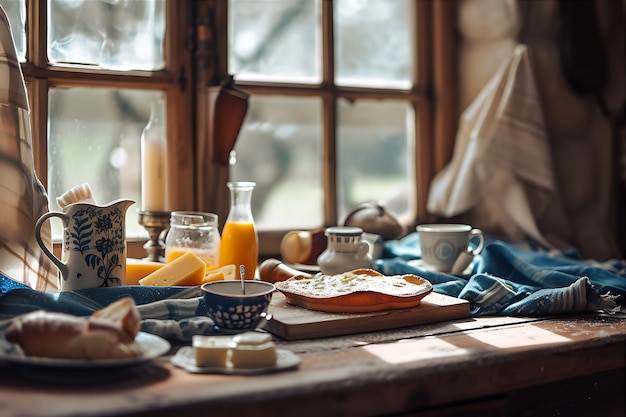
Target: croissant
column 107, row 334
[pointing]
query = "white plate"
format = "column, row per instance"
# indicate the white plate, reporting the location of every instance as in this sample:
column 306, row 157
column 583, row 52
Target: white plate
column 185, row 359
column 152, row 346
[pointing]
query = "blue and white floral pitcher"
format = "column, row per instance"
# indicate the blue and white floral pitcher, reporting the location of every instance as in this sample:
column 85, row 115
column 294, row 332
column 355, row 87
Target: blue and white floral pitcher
column 94, row 244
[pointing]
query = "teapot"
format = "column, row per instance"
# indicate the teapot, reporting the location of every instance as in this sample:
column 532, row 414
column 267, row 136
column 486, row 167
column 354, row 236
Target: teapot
column 374, row 218
column 94, row 244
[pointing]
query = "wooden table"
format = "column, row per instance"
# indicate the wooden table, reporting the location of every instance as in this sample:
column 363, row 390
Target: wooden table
column 488, row 366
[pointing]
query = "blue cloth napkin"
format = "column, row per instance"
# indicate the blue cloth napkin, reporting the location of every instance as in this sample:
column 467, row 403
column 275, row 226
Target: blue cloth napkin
column 175, row 313
column 518, row 278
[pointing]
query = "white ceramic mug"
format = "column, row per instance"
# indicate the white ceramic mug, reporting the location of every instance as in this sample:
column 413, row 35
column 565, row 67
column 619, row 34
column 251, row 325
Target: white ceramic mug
column 441, row 244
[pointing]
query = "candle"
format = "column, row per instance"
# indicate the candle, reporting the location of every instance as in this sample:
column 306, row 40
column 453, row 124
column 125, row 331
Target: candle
column 153, row 162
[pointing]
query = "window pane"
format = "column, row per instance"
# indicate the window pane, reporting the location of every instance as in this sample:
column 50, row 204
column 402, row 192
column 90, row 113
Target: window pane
column 374, row 43
column 122, row 35
column 16, row 12
column 95, row 137
column 280, row 147
column 375, row 155
column 275, row 40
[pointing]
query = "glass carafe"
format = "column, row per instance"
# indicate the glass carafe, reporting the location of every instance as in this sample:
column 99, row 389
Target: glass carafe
column 240, row 242
column 196, row 232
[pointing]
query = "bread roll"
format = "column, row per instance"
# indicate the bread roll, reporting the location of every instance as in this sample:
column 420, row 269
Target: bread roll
column 273, row 270
column 45, row 334
column 121, row 316
column 107, row 334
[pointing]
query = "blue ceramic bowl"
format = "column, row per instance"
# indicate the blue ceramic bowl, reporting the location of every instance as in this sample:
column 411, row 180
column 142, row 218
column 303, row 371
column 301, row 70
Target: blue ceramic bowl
column 232, row 311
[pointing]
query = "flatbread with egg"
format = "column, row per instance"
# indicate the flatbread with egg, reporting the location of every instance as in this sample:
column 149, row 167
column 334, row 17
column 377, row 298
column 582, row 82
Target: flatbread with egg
column 358, row 291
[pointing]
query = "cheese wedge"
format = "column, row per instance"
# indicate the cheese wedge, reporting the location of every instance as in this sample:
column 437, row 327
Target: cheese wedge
column 224, row 273
column 137, row 269
column 188, row 269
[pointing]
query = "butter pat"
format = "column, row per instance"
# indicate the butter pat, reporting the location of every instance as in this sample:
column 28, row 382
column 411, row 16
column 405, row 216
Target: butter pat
column 226, row 272
column 253, row 350
column 187, row 269
column 137, row 269
column 211, row 351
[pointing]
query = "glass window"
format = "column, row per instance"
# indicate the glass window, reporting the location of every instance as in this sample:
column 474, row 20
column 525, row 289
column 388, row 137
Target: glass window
column 275, row 40
column 374, row 42
column 375, row 155
column 338, row 143
column 86, row 119
column 123, row 35
column 280, row 148
column 16, row 12
column 94, row 137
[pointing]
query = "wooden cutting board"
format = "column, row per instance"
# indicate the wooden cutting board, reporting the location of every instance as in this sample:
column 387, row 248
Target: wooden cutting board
column 292, row 322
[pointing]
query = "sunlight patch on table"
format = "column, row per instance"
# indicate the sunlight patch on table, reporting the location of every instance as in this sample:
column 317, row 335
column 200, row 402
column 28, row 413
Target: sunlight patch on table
column 518, row 337
column 414, row 350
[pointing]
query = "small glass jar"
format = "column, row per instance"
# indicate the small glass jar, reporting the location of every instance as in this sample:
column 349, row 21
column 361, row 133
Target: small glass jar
column 195, row 232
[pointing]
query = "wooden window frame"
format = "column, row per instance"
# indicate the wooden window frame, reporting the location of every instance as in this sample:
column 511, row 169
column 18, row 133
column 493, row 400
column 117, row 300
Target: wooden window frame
column 433, row 98
column 196, row 59
column 176, row 80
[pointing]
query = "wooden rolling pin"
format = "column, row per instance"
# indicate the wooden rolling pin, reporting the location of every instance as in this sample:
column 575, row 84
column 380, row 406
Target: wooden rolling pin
column 273, row 270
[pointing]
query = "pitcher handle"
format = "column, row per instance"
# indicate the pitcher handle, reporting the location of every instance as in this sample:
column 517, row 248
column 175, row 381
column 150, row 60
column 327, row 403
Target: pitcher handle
column 62, row 267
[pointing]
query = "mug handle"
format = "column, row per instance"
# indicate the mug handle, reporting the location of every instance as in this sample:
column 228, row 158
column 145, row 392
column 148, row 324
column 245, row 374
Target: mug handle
column 364, row 249
column 481, row 240
column 62, row 267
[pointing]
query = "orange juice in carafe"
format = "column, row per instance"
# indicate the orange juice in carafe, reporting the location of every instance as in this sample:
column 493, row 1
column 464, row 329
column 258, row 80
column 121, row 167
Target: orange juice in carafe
column 239, row 241
column 240, row 247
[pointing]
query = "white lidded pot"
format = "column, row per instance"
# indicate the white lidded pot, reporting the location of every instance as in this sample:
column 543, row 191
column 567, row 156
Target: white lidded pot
column 346, row 250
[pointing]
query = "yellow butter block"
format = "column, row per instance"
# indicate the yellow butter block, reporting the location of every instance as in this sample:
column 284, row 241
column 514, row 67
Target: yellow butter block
column 211, row 351
column 226, row 272
column 188, row 269
column 137, row 269
column 253, row 350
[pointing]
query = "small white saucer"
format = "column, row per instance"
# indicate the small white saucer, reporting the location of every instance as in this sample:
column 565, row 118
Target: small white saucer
column 419, row 263
column 185, row 359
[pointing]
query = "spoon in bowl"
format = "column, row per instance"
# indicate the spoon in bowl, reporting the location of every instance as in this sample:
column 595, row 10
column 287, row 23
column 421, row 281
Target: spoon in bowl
column 242, row 274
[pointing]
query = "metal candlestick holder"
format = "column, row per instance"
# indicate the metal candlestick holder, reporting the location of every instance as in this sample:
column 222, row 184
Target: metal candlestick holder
column 155, row 222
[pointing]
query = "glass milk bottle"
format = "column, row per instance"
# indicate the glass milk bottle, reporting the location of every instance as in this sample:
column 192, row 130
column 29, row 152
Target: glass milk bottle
column 196, row 232
column 240, row 242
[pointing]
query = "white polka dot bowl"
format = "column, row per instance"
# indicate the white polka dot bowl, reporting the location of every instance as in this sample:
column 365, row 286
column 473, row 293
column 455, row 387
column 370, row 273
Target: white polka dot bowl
column 231, row 310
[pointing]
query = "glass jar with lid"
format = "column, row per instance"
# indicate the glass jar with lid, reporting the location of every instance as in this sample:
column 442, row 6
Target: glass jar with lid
column 196, row 232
